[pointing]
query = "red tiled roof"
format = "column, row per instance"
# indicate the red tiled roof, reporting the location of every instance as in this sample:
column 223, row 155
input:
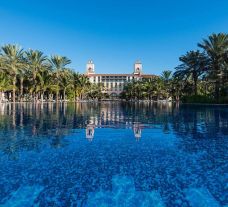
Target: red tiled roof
column 109, row 74
column 142, row 75
column 148, row 76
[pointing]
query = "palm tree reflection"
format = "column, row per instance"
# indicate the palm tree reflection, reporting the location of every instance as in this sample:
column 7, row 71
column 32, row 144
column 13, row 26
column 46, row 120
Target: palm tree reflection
column 90, row 131
column 29, row 126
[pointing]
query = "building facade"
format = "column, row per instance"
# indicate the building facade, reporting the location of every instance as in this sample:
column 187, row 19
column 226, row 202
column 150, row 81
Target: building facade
column 113, row 84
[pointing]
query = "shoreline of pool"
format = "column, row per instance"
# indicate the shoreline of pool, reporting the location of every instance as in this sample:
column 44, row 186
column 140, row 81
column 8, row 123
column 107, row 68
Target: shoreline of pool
column 124, row 101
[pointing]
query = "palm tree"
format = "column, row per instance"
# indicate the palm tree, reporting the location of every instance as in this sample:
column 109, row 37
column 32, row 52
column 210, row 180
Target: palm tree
column 2, row 68
column 75, row 84
column 45, row 83
column 194, row 64
column 5, row 85
column 37, row 64
column 176, row 88
column 166, row 76
column 58, row 63
column 95, row 91
column 12, row 63
column 66, row 82
column 140, row 89
column 159, row 88
column 83, row 84
column 216, row 47
column 128, row 91
column 149, row 88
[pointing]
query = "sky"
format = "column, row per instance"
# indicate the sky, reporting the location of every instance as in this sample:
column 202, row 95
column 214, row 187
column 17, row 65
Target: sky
column 113, row 33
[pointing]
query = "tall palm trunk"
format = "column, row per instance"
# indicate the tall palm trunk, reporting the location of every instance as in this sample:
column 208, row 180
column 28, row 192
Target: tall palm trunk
column 1, row 96
column 21, row 89
column 217, row 86
column 195, row 86
column 57, row 96
column 75, row 96
column 34, row 97
column 34, row 83
column 217, row 83
column 178, row 98
column 64, row 94
column 14, row 88
column 42, row 97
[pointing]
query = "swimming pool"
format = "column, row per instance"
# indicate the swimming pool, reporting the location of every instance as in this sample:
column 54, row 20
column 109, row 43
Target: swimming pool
column 113, row 154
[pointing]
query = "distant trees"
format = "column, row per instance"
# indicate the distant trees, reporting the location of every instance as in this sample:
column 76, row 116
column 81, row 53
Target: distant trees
column 149, row 89
column 208, row 68
column 58, row 65
column 32, row 76
column 216, row 47
column 12, row 64
column 202, row 76
column 194, row 64
column 37, row 69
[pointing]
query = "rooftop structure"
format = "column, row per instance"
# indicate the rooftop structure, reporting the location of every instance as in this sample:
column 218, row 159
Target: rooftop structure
column 113, row 84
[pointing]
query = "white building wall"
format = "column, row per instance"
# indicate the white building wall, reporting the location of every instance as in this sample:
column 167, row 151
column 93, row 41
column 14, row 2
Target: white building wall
column 117, row 84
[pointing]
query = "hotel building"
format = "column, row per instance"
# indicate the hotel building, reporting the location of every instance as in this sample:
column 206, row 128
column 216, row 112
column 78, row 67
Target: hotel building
column 113, row 84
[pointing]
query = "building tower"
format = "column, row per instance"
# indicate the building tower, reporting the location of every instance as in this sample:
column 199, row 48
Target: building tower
column 90, row 68
column 138, row 68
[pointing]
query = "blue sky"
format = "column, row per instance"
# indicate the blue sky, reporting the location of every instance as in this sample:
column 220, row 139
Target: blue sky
column 114, row 33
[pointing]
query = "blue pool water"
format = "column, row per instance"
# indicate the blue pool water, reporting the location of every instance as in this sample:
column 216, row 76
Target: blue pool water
column 113, row 154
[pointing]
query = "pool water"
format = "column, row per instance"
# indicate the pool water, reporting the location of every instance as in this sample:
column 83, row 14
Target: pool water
column 113, row 154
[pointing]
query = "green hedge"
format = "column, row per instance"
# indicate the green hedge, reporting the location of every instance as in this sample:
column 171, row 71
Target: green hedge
column 197, row 99
column 203, row 99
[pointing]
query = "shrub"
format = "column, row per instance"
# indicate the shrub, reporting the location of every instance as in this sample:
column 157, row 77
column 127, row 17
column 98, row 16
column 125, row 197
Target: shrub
column 197, row 99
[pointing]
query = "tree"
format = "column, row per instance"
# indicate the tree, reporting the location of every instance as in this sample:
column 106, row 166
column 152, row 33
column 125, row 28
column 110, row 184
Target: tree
column 58, row 64
column 66, row 81
column 166, row 76
column 44, row 83
column 75, row 84
column 194, row 64
column 12, row 63
column 5, row 85
column 216, row 47
column 36, row 65
column 94, row 91
column 150, row 88
column 83, row 84
column 159, row 88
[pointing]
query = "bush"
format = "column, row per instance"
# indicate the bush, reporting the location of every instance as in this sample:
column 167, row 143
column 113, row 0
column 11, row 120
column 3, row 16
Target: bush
column 204, row 99
column 223, row 100
column 197, row 99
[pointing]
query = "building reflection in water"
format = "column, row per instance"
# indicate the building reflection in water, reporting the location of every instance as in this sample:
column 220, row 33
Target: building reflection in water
column 90, row 129
column 34, row 124
column 35, row 119
column 137, row 130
